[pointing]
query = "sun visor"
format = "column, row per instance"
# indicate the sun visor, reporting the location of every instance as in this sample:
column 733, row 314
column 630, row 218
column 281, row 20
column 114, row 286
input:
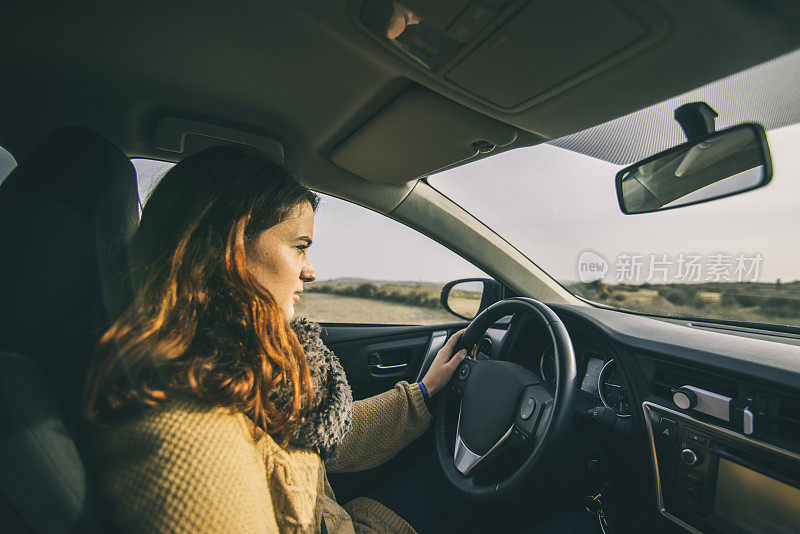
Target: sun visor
column 417, row 134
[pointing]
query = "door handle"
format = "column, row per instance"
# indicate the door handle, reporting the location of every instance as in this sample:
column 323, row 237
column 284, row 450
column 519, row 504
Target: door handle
column 375, row 365
column 380, row 367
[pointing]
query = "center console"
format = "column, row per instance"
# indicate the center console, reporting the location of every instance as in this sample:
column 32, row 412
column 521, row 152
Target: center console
column 713, row 479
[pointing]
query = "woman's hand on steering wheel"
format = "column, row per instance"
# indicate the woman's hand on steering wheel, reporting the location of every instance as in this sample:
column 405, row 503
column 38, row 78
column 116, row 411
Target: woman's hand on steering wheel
column 444, row 365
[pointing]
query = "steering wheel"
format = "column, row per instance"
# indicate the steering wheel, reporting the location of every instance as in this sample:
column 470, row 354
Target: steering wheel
column 504, row 404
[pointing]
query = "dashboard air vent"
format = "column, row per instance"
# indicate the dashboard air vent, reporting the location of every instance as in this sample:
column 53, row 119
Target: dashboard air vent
column 667, row 379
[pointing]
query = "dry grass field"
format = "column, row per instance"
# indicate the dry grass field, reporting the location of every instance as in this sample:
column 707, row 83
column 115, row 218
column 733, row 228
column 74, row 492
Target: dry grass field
column 383, row 302
column 775, row 303
column 325, row 308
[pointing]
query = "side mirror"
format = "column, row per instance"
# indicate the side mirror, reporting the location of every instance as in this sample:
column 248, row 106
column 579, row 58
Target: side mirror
column 467, row 297
column 712, row 166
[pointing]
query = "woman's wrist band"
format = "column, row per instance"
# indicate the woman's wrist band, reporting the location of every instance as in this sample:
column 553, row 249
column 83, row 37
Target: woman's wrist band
column 424, row 391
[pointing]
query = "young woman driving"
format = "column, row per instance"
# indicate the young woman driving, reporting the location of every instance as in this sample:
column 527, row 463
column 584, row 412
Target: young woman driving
column 212, row 411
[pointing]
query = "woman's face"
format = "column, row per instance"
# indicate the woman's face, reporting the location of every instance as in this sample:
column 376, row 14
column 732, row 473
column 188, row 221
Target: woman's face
column 278, row 257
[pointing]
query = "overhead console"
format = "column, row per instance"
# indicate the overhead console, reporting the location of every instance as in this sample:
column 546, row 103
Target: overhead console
column 725, row 451
column 510, row 54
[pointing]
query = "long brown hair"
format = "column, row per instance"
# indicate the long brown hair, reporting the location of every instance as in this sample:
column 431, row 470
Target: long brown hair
column 200, row 323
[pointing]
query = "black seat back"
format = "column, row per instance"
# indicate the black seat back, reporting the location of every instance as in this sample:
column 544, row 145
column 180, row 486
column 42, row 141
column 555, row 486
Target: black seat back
column 65, row 214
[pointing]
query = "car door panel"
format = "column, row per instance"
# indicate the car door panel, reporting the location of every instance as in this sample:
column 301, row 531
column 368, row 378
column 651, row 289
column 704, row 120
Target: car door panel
column 375, row 358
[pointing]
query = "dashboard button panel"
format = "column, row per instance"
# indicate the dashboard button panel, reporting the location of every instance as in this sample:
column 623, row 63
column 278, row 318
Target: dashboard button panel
column 691, row 502
column 690, row 457
column 667, row 430
column 692, row 435
column 709, row 474
column 693, row 476
column 692, row 489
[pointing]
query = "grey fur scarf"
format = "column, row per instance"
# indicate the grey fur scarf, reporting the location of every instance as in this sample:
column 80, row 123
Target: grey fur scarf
column 331, row 416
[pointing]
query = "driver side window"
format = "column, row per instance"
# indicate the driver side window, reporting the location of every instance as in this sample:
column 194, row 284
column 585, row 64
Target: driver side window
column 372, row 269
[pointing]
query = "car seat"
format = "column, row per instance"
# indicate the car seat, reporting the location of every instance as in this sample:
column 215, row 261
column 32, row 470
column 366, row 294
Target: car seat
column 66, row 213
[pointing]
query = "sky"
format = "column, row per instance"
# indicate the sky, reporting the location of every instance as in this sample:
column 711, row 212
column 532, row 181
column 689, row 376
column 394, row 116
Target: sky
column 554, row 204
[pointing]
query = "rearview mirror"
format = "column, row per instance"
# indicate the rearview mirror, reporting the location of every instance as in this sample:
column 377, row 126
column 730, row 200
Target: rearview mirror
column 713, row 166
column 467, row 297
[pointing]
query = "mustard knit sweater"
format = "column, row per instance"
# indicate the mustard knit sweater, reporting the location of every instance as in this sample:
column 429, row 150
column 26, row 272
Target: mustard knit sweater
column 189, row 467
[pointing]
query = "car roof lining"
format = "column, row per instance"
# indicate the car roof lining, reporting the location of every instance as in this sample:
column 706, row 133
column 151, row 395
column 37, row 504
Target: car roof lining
column 741, row 97
column 306, row 75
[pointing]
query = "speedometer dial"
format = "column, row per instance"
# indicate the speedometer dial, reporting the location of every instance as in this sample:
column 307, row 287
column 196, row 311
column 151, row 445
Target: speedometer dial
column 547, row 365
column 612, row 389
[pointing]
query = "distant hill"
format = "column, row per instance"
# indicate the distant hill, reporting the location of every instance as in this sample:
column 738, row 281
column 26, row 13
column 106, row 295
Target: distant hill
column 357, row 281
column 768, row 302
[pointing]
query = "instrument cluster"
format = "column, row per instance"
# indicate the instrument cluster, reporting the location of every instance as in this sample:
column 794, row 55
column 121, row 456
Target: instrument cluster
column 601, row 378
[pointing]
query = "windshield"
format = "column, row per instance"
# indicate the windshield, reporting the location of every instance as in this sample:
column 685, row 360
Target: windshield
column 735, row 258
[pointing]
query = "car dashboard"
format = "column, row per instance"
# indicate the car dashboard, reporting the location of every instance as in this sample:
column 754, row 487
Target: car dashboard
column 602, row 381
column 706, row 428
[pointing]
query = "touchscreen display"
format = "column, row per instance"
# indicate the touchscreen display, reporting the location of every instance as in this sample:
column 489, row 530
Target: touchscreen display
column 593, row 368
column 755, row 502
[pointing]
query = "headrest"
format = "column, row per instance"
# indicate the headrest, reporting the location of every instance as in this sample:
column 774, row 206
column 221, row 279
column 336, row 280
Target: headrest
column 65, row 211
